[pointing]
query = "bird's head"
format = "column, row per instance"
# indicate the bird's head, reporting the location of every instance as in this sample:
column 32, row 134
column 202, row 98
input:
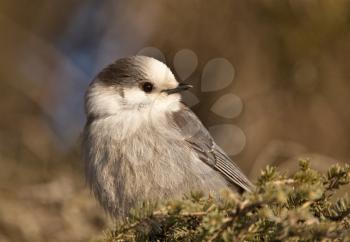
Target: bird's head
column 138, row 84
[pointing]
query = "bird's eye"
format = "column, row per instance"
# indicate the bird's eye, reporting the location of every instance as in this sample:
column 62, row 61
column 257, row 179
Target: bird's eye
column 147, row 87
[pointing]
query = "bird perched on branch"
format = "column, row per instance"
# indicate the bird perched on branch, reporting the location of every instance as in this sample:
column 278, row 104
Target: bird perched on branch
column 141, row 143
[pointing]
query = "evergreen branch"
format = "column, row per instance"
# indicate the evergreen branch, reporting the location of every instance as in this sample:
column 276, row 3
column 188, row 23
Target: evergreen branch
column 302, row 207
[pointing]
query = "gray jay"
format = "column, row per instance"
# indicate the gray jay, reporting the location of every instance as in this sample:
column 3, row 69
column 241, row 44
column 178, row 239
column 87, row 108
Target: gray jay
column 141, row 143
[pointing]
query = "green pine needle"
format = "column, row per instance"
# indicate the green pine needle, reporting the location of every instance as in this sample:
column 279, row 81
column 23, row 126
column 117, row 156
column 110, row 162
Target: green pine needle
column 303, row 207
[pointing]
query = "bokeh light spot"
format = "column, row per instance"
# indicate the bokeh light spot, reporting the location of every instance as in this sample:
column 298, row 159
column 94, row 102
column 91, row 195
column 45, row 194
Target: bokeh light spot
column 217, row 74
column 229, row 137
column 185, row 63
column 152, row 52
column 228, row 106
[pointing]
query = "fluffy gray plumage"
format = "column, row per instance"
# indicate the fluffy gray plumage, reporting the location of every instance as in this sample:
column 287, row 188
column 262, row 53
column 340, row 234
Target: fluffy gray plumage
column 146, row 145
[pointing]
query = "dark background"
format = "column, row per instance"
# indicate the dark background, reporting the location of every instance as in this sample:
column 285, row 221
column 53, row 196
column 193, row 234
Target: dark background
column 292, row 73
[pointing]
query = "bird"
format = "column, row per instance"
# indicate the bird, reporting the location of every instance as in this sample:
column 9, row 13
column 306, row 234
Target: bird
column 142, row 143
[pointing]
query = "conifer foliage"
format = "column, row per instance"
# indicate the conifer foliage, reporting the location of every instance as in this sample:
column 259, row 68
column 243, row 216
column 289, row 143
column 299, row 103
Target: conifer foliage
column 304, row 207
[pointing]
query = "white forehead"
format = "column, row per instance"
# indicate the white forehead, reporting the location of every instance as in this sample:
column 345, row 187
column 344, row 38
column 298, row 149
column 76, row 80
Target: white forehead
column 158, row 72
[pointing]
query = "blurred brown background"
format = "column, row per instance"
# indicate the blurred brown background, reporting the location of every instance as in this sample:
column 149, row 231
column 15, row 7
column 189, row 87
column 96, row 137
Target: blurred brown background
column 292, row 73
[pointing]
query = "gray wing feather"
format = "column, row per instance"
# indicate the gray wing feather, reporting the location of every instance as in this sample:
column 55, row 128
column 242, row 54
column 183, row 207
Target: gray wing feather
column 208, row 151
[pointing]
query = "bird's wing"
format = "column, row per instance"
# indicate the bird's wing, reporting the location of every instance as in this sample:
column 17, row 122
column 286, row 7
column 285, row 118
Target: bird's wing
column 208, row 151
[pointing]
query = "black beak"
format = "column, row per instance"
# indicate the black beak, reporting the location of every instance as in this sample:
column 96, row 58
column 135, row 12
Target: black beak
column 181, row 87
